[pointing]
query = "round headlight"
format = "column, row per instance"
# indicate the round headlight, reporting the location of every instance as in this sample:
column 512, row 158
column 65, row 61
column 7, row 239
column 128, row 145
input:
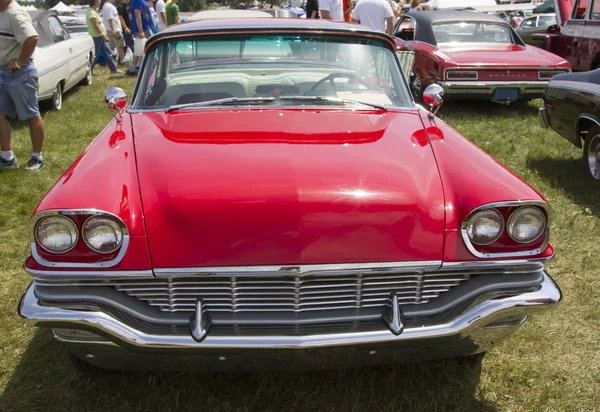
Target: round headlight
column 56, row 234
column 526, row 224
column 102, row 234
column 485, row 227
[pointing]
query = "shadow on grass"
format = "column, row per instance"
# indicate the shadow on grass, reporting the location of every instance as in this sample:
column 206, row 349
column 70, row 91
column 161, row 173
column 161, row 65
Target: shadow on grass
column 461, row 108
column 44, row 380
column 569, row 176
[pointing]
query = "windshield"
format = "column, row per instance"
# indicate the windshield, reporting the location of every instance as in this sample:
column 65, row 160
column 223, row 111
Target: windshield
column 471, row 32
column 241, row 70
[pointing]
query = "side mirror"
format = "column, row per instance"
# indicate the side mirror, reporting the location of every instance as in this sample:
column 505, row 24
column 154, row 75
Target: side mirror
column 433, row 96
column 116, row 100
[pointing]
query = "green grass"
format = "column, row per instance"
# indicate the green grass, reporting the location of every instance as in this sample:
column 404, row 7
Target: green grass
column 552, row 363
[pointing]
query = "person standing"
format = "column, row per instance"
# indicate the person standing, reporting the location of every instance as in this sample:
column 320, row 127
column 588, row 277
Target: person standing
column 154, row 28
column 162, row 15
column 415, row 5
column 312, row 9
column 348, row 7
column 110, row 18
column 375, row 14
column 141, row 24
column 125, row 19
column 172, row 11
column 18, row 83
column 98, row 32
column 331, row 10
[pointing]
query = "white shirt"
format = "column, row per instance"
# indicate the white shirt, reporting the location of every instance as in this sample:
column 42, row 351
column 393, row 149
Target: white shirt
column 372, row 13
column 334, row 7
column 109, row 12
column 160, row 8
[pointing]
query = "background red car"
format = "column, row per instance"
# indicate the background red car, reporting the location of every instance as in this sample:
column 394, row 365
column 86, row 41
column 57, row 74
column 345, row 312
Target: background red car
column 474, row 56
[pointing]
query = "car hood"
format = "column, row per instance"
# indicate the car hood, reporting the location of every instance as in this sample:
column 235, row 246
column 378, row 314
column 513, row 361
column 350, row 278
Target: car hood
column 496, row 55
column 287, row 187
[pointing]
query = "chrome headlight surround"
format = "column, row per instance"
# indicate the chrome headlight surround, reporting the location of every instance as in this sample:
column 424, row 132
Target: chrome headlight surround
column 68, row 224
column 107, row 263
column 545, row 207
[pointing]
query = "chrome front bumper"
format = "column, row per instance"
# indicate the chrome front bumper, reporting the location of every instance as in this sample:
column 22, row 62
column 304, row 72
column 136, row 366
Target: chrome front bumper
column 485, row 90
column 121, row 346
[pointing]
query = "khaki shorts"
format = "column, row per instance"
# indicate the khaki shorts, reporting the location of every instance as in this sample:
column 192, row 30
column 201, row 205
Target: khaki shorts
column 117, row 41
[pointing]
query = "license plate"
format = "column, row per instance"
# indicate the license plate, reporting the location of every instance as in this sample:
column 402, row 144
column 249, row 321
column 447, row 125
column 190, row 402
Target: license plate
column 506, row 94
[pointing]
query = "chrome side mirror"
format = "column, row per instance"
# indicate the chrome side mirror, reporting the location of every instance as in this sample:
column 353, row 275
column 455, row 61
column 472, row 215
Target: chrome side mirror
column 116, row 100
column 433, row 96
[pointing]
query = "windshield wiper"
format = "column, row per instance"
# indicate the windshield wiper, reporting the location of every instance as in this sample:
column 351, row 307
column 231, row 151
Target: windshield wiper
column 337, row 100
column 218, row 102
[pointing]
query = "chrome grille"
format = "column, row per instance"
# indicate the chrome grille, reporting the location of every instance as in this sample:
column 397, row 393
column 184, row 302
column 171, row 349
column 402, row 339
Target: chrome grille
column 281, row 292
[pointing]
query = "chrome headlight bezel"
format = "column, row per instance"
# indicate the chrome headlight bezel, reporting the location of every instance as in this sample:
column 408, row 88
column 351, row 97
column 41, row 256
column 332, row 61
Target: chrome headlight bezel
column 477, row 215
column 67, row 222
column 114, row 224
column 516, row 214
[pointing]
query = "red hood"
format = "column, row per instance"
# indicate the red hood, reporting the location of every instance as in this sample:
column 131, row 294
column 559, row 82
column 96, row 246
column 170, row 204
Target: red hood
column 497, row 55
column 286, row 187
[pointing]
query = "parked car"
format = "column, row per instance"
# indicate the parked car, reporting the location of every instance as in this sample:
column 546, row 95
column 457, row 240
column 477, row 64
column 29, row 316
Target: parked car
column 474, row 56
column 538, row 23
column 62, row 60
column 281, row 13
column 576, row 39
column 265, row 211
column 571, row 108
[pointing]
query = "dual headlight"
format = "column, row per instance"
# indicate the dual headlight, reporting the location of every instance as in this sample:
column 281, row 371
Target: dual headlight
column 59, row 234
column 525, row 225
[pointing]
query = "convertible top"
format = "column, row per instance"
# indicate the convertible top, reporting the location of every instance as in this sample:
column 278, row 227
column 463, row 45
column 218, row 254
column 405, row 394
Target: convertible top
column 425, row 19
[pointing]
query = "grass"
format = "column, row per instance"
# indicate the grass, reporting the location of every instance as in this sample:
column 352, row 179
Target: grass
column 551, row 364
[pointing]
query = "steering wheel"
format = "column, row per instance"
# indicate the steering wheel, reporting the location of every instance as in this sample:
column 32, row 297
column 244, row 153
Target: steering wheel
column 333, row 76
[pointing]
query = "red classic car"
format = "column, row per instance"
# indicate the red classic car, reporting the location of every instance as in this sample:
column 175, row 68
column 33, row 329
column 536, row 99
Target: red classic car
column 577, row 38
column 474, row 56
column 273, row 198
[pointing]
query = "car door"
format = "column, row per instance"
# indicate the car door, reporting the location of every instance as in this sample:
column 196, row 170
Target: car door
column 591, row 39
column 61, row 53
column 573, row 33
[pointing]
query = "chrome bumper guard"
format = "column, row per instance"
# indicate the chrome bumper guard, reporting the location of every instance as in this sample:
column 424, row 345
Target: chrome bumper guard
column 471, row 88
column 495, row 312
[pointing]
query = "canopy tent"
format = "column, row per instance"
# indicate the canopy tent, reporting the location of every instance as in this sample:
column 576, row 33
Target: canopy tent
column 546, row 7
column 459, row 4
column 62, row 8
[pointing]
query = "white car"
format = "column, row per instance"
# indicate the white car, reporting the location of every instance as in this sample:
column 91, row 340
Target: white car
column 62, row 61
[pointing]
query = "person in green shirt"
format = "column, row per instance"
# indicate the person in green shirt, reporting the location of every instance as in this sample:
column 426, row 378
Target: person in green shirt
column 98, row 32
column 172, row 11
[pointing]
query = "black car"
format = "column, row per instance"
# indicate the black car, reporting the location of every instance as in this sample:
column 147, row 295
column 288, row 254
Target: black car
column 572, row 109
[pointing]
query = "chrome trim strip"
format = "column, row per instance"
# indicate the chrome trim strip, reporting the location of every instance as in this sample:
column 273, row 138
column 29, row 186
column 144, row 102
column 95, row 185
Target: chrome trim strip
column 518, row 203
column 78, row 274
column 475, row 318
column 493, row 83
column 70, row 212
column 419, row 266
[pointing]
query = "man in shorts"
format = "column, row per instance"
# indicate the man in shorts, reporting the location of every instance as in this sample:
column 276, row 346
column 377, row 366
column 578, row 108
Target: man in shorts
column 110, row 17
column 141, row 23
column 18, row 83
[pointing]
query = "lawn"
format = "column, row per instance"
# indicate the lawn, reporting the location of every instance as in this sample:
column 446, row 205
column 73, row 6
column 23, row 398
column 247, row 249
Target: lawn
column 552, row 363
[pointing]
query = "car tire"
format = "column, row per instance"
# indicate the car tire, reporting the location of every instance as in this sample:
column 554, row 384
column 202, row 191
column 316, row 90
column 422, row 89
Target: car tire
column 57, row 97
column 87, row 80
column 591, row 154
column 416, row 87
column 86, row 368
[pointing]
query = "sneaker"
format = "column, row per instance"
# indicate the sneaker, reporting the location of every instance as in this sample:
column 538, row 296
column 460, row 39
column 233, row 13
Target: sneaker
column 9, row 164
column 34, row 164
